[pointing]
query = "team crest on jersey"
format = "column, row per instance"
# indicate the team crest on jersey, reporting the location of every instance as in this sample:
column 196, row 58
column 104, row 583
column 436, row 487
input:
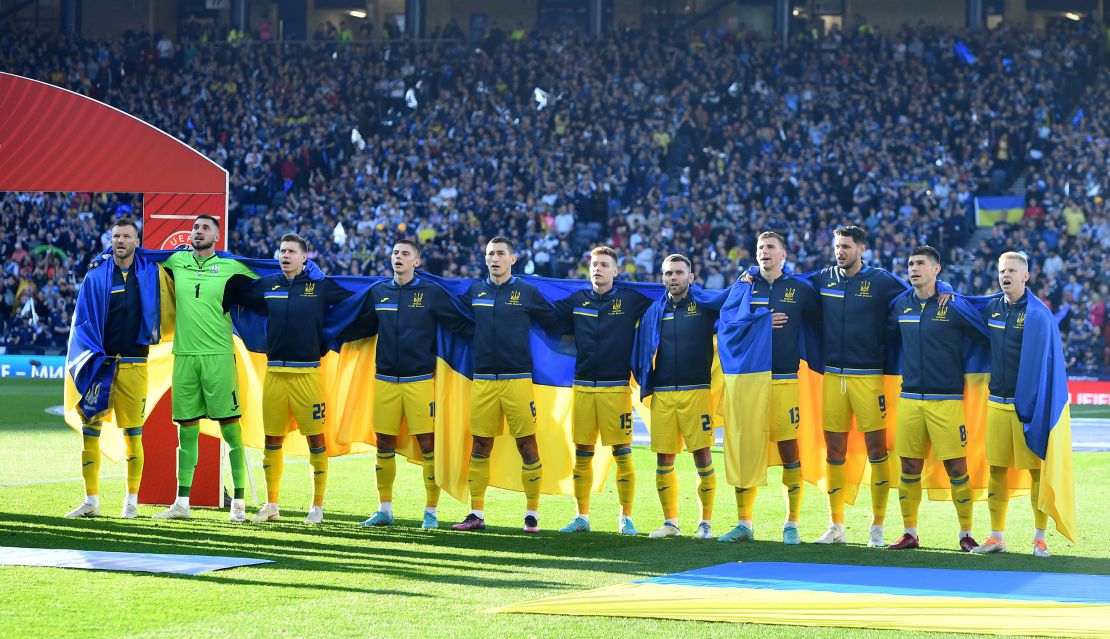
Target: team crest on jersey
column 942, row 313
column 514, row 298
column 417, row 300
column 788, row 295
column 214, row 269
column 692, row 308
column 309, row 290
column 864, row 289
column 616, row 308
column 1020, row 321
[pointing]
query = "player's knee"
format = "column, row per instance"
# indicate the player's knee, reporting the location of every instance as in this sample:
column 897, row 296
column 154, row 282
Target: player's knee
column 956, row 467
column 912, row 466
column 788, row 451
column 527, row 447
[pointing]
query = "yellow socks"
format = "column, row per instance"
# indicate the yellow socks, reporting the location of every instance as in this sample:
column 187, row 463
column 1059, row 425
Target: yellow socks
column 272, row 462
column 133, row 447
column 431, row 489
column 909, row 498
column 961, row 497
column 998, row 497
column 1040, row 517
column 626, row 479
column 478, row 480
column 834, row 475
column 792, row 486
column 583, row 477
column 90, row 458
column 745, row 502
column 880, row 489
column 707, row 489
column 318, row 459
column 667, row 486
column 385, row 471
column 531, row 473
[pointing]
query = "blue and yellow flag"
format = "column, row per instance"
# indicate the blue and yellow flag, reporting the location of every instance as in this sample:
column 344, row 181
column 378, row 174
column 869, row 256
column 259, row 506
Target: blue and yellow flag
column 991, row 210
column 1042, row 404
column 744, row 346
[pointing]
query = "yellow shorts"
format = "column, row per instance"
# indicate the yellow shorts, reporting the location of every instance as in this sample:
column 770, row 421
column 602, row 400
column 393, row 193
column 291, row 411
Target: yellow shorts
column 859, row 395
column 602, row 408
column 939, row 422
column 785, row 415
column 1005, row 439
column 292, row 392
column 127, row 397
column 681, row 415
column 494, row 399
column 414, row 402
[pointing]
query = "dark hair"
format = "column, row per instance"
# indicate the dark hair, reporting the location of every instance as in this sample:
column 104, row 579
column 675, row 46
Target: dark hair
column 408, row 242
column 126, row 221
column 858, row 235
column 766, row 234
column 500, row 239
column 678, row 257
column 293, row 237
column 928, row 252
column 205, row 216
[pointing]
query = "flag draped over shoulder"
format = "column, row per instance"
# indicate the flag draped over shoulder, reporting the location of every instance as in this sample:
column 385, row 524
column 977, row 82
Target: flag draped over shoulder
column 85, row 359
column 553, row 359
column 1042, row 404
column 647, row 339
column 744, row 346
column 89, row 371
column 157, row 299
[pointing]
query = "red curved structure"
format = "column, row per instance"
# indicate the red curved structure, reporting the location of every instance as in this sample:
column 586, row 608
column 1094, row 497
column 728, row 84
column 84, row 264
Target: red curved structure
column 52, row 139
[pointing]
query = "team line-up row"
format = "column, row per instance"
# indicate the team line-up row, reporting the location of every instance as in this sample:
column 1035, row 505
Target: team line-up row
column 854, row 311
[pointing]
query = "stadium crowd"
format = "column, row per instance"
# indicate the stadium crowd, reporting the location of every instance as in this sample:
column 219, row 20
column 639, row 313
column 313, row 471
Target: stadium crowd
column 653, row 143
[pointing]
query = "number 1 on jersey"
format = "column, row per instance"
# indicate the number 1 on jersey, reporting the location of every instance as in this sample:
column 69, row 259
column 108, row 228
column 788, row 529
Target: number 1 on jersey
column 198, row 291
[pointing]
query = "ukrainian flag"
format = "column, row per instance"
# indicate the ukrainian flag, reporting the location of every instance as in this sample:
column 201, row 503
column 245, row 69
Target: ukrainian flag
column 1004, row 208
column 744, row 349
column 89, row 371
column 1042, row 404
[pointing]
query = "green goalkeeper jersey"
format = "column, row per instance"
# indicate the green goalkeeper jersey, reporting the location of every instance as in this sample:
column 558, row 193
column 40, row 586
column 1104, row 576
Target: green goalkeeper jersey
column 202, row 326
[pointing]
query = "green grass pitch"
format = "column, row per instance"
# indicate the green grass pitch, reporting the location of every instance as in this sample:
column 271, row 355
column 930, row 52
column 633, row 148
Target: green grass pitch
column 344, row 580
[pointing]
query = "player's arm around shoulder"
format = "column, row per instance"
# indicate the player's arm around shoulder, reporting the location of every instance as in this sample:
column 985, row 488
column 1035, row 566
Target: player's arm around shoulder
column 333, row 293
column 449, row 311
column 543, row 311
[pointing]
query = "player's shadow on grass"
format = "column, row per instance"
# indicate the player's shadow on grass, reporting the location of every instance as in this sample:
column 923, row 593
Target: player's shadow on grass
column 496, row 558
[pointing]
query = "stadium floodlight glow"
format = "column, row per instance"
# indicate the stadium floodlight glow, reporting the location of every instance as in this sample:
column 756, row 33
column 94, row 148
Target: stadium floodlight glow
column 357, row 13
column 1071, row 15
